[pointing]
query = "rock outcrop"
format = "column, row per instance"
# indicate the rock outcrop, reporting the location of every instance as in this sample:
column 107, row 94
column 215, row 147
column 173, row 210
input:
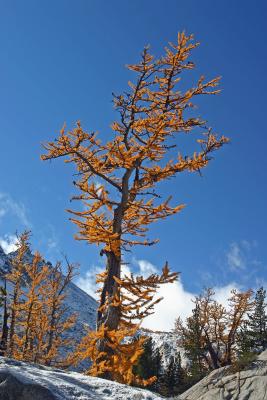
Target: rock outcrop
column 222, row 384
column 12, row 388
column 26, row 381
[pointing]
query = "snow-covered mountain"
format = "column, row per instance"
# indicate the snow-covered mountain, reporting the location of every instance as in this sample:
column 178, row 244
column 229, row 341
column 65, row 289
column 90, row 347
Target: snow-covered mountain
column 166, row 342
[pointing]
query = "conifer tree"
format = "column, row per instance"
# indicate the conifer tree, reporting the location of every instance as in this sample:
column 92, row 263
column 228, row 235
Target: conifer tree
column 39, row 320
column 240, row 304
column 59, row 320
column 210, row 335
column 15, row 276
column 173, row 378
column 244, row 341
column 181, row 375
column 191, row 339
column 257, row 325
column 158, row 370
column 117, row 214
column 5, row 316
column 145, row 367
column 252, row 337
column 30, row 309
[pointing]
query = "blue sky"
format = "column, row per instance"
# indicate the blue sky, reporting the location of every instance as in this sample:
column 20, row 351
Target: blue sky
column 61, row 60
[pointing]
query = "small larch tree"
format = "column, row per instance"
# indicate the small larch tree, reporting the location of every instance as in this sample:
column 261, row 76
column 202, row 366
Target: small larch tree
column 35, row 311
column 210, row 334
column 16, row 277
column 139, row 155
column 56, row 313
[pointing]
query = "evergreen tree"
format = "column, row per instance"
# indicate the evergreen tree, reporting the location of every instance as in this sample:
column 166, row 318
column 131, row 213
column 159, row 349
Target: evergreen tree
column 150, row 365
column 158, row 367
column 145, row 368
column 192, row 341
column 173, row 378
column 258, row 322
column 244, row 340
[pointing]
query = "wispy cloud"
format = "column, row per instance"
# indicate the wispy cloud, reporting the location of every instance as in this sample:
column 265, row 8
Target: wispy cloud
column 8, row 243
column 235, row 257
column 242, row 260
column 9, row 206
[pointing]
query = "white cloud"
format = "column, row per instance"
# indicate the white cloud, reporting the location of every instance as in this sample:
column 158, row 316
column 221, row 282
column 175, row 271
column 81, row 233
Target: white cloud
column 10, row 206
column 87, row 282
column 235, row 257
column 177, row 301
column 9, row 243
column 222, row 294
column 146, row 268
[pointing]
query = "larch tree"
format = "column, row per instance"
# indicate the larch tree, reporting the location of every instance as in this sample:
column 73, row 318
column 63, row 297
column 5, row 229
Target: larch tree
column 210, row 335
column 15, row 277
column 57, row 315
column 44, row 320
column 30, row 309
column 38, row 317
column 117, row 213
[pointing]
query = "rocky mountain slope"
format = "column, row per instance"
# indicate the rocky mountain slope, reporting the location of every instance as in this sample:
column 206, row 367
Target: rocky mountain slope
column 166, row 342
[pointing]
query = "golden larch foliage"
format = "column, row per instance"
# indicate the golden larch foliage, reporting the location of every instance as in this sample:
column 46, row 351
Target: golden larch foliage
column 217, row 326
column 38, row 319
column 117, row 212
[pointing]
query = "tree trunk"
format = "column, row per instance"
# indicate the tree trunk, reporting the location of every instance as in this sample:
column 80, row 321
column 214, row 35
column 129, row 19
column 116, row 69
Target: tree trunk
column 13, row 319
column 3, row 343
column 110, row 317
column 212, row 353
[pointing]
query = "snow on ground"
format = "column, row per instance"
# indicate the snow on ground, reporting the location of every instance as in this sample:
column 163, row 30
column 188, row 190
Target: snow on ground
column 71, row 385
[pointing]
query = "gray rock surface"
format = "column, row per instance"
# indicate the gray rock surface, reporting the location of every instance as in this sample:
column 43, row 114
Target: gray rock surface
column 12, row 388
column 27, row 381
column 222, row 384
